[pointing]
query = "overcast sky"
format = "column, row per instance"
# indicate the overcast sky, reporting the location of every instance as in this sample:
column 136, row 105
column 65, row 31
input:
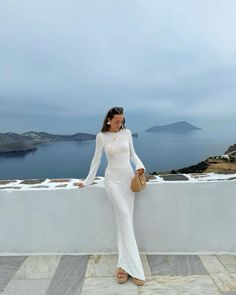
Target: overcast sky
column 63, row 64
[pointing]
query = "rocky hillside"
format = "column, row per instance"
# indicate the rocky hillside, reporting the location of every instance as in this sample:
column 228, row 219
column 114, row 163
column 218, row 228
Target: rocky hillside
column 225, row 163
column 211, row 164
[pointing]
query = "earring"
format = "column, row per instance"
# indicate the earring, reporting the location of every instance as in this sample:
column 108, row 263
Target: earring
column 108, row 123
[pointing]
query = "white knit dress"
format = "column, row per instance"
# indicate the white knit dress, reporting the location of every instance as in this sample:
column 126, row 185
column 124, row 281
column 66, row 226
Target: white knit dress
column 119, row 150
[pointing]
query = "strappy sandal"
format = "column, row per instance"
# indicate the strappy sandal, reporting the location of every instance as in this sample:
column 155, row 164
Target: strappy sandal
column 137, row 281
column 122, row 279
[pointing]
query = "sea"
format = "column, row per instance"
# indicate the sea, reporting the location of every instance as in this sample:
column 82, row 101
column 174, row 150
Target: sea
column 161, row 151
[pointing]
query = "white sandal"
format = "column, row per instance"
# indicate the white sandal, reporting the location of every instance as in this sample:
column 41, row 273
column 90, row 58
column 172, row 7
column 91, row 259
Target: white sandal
column 122, row 279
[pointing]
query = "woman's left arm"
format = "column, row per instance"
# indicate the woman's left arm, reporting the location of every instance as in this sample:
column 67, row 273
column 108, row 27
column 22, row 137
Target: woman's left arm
column 133, row 156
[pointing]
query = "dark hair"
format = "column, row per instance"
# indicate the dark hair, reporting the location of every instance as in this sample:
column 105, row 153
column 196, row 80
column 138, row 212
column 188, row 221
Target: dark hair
column 110, row 114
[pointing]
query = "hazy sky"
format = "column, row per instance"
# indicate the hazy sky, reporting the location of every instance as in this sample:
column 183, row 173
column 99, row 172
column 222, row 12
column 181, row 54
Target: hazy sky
column 63, row 64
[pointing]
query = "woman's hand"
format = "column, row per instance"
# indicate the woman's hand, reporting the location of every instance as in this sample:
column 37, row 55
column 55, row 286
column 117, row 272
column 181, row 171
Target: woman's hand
column 140, row 171
column 79, row 184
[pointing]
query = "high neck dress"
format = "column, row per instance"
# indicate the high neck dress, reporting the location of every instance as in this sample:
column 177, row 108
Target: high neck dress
column 119, row 149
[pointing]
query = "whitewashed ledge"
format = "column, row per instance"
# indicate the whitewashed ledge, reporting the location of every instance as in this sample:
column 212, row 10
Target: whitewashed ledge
column 175, row 214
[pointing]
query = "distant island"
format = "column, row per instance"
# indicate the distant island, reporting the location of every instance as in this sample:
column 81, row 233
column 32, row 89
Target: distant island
column 177, row 127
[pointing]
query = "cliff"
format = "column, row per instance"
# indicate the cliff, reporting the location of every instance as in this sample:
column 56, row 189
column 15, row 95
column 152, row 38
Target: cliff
column 231, row 150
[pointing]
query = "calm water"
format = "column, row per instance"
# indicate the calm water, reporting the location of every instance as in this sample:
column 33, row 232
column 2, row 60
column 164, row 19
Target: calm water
column 158, row 152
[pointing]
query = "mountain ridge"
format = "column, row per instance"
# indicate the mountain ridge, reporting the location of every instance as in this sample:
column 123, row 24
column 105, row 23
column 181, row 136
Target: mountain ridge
column 28, row 141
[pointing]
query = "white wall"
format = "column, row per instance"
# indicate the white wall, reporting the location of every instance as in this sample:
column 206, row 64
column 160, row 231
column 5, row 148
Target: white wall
column 169, row 217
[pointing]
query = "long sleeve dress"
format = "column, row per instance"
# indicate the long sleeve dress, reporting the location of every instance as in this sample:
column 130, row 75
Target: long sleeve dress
column 119, row 150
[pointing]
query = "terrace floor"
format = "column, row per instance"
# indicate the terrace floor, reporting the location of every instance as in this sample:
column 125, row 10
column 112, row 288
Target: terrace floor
column 94, row 274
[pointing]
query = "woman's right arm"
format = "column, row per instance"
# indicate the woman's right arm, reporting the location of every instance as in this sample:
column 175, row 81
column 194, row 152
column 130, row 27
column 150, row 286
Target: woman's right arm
column 95, row 161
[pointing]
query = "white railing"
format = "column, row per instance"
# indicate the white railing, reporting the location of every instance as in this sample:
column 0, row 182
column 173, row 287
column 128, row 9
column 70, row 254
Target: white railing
column 169, row 217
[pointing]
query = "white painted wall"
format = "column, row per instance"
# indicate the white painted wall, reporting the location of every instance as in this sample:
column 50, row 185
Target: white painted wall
column 169, row 217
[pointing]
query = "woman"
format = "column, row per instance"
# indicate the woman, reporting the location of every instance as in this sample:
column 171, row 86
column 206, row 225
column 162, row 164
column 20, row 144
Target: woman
column 117, row 142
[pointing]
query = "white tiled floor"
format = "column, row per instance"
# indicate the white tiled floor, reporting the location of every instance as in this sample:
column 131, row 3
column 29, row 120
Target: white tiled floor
column 97, row 276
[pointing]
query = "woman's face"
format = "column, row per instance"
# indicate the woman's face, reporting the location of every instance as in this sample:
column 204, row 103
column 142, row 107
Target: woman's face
column 116, row 122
